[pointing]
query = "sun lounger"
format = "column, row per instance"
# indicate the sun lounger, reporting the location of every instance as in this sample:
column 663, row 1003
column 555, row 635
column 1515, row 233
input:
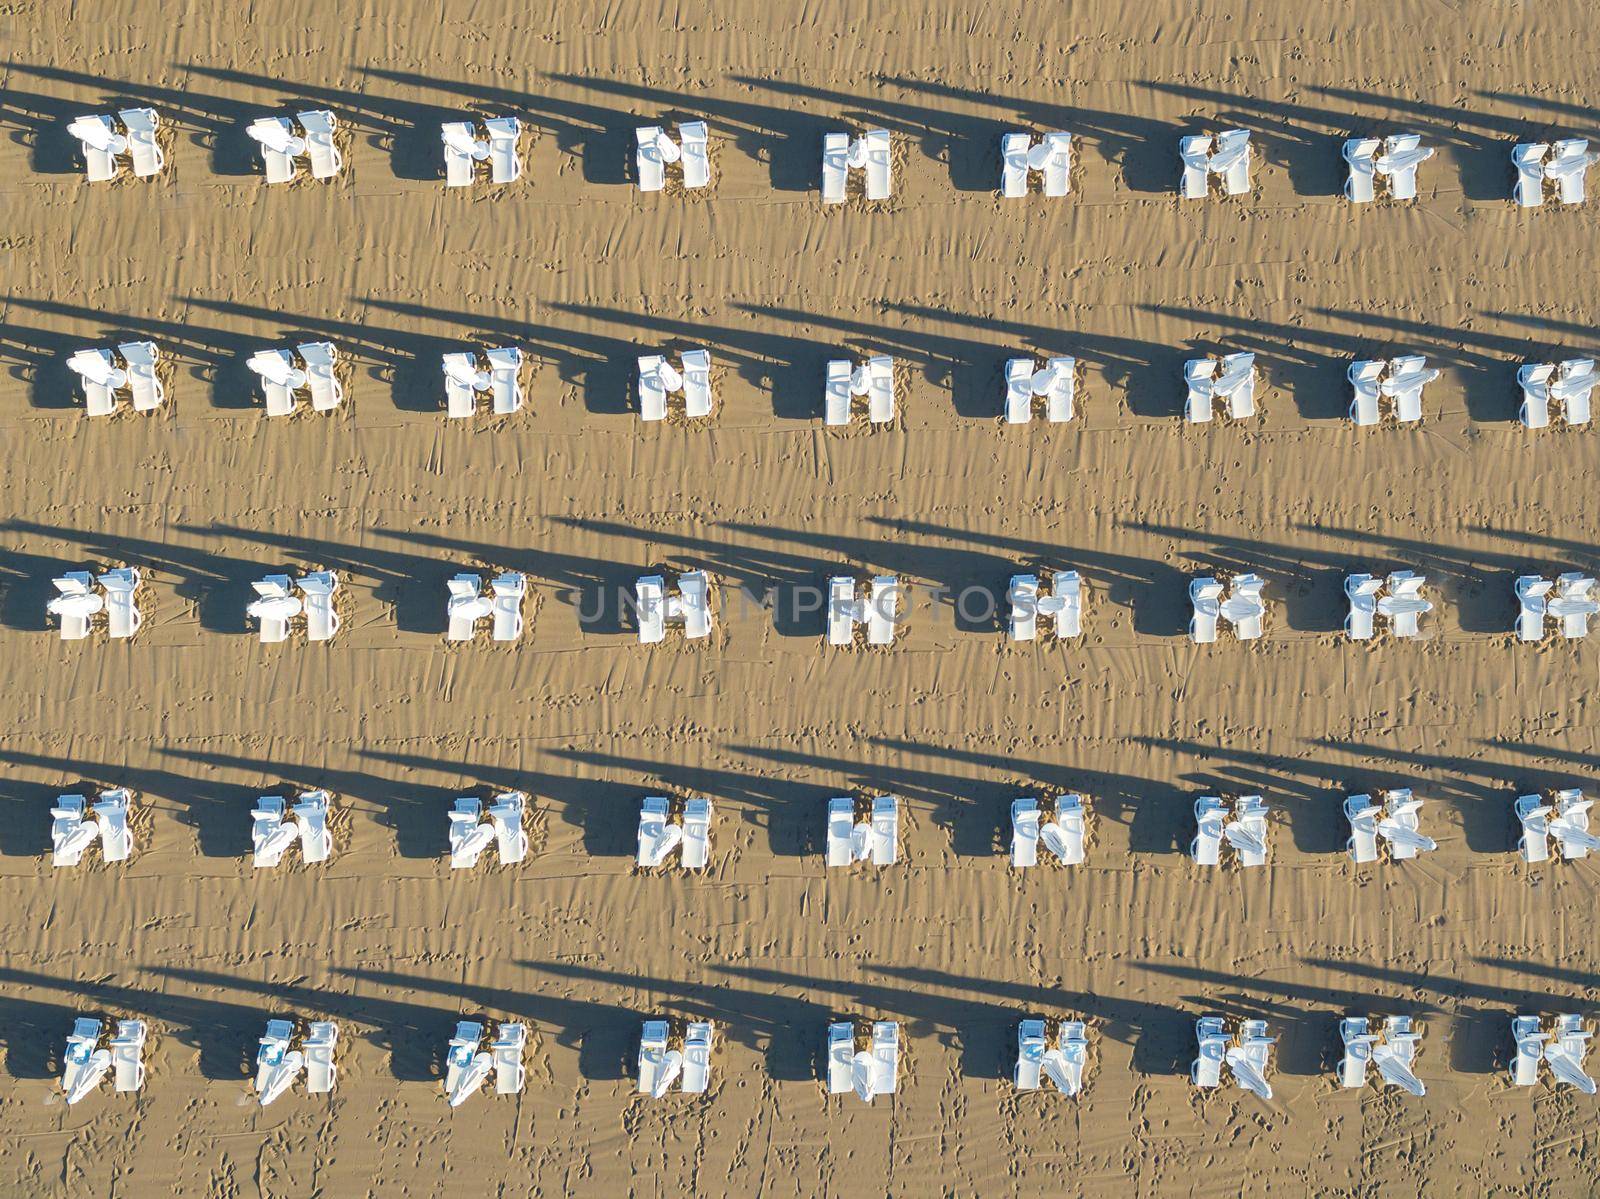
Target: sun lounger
column 509, row 587
column 883, row 842
column 71, row 834
column 1014, row 149
column 692, row 604
column 1404, row 383
column 311, row 814
column 836, row 395
column 880, row 180
column 883, row 610
column 1362, row 591
column 1573, row 604
column 85, row 1064
column 1529, row 1038
column 1532, row 595
column 841, row 1051
column 1023, row 593
column 1055, row 383
column 870, row 153
column 1031, row 1047
column 1209, row 815
column 1394, row 1057
column 1244, row 608
column 1360, row 153
column 321, row 1072
column 321, row 128
column 127, row 1056
column 143, row 145
column 280, row 146
column 321, row 360
column 274, row 607
column 695, row 143
column 1246, row 833
column 467, row 1065
column 1064, row 835
column 653, row 386
column 463, row 150
column 875, row 380
column 123, row 618
column 658, row 379
column 1528, row 159
column 1534, row 379
column 317, row 590
column 1363, row 815
column 845, row 610
column 505, row 386
column 1066, row 1064
column 697, row 1044
column 1402, row 154
column 1565, row 1050
column 1051, row 157
column 1364, row 376
column 1025, row 837
column 469, row 835
column 277, row 1065
column 696, row 382
column 659, row 1067
column 271, row 835
column 510, row 1073
column 1358, row 1043
column 1404, row 604
column 101, row 379
column 505, row 166
column 658, row 837
column 141, row 359
column 102, row 145
column 1211, row 1037
column 841, row 840
column 506, row 817
column 835, row 166
column 1064, row 605
column 1199, row 376
column 1195, row 155
column 1571, row 386
column 1205, row 595
column 1250, row 1058
column 1533, row 815
column 465, row 606
column 1232, row 161
column 280, row 378
column 111, row 813
column 877, row 1071
column 463, row 382
column 1566, row 168
column 1236, row 383
column 696, row 834
column 653, row 149
column 76, row 604
column 1570, row 825
column 1400, row 823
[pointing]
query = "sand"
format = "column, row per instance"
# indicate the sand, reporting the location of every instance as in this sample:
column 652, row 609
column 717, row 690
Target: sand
column 582, row 271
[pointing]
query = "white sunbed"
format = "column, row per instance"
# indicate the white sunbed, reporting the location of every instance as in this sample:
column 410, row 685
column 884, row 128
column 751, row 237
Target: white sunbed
column 1055, row 383
column 121, row 586
column 311, row 814
column 659, row 1067
column 1232, row 161
column 280, row 146
column 835, row 166
column 845, row 610
column 1404, row 383
column 1533, row 816
column 1209, row 816
column 469, row 836
column 1529, row 1037
column 1244, row 608
column 127, row 1056
column 101, row 379
column 322, row 148
column 85, row 1063
column 142, row 361
column 1400, row 824
column 320, row 1043
column 510, row 588
column 1565, row 1050
column 463, row 150
column 507, row 1049
column 274, row 607
column 71, row 835
column 1194, row 153
column 1570, row 826
column 1064, row 836
column 1023, row 594
column 658, row 836
column 1573, row 604
column 879, row 165
column 277, row 1064
column 695, row 143
column 505, row 165
column 1247, row 831
column 102, row 145
column 841, row 1051
column 1064, row 605
column 280, row 379
column 1014, row 149
column 505, row 382
column 506, row 817
column 111, row 811
column 656, row 378
column 692, row 604
column 1402, row 154
column 1066, row 1064
column 1362, row 592
column 1534, row 379
column 1358, row 1043
column 1211, row 1038
column 1364, row 376
column 1360, row 153
column 464, row 381
column 697, row 1045
column 1532, row 599
column 876, row 1070
column 842, row 843
column 1236, row 383
column 1567, row 167
column 144, row 146
column 1025, row 841
column 271, row 834
column 1205, row 595
column 465, row 606
column 1528, row 159
column 873, row 379
column 883, row 610
column 836, row 396
column 1363, row 815
column 1031, row 1046
column 696, row 834
column 652, row 147
column 1394, row 1057
column 76, row 603
column 1249, row 1059
column 467, row 1065
column 696, row 382
column 883, row 839
column 1571, row 386
column 1199, row 377
column 317, row 591
column 1404, row 605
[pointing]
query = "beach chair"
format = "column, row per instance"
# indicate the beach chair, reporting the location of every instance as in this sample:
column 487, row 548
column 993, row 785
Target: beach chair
column 840, row 1051
column 1394, row 1057
column 507, row 1050
column 505, row 165
column 469, row 835
column 869, row 153
column 1534, row 379
column 85, row 1063
column 1031, row 1048
column 1023, row 593
column 1404, row 605
column 506, row 817
column 836, row 395
column 877, row 1071
column 100, row 377
column 280, row 379
column 127, row 1056
column 505, row 379
column 280, row 146
column 1211, row 1038
column 1567, row 167
column 879, row 165
column 651, row 147
column 1050, row 157
column 1194, row 155
column 1404, row 383
column 1014, row 149
column 1573, row 382
column 1236, row 383
column 75, row 604
column 697, row 1045
column 1246, row 833
column 141, row 360
column 121, row 586
column 510, row 588
column 467, row 1065
column 659, row 378
column 875, row 380
column 463, row 151
column 1363, row 815
column 321, row 129
column 271, row 834
column 841, row 842
column 696, row 383
column 1055, row 383
column 1570, row 826
column 1533, row 816
column 1362, row 592
column 1231, row 162
column 464, row 381
column 1199, row 376
column 1066, row 1064
column 1205, row 595
column 1364, row 376
column 320, row 1042
column 1361, row 154
column 1529, row 1037
column 696, row 834
column 71, row 835
column 883, row 841
column 103, row 144
column 320, row 360
column 845, row 610
column 1244, row 608
column 883, row 610
column 1250, row 1059
column 111, row 814
column 835, row 166
column 465, row 606
column 274, row 608
column 1573, row 604
column 658, row 836
column 1532, row 599
column 317, row 591
column 1063, row 607
column 650, row 603
column 1400, row 823
column 1358, row 1043
column 694, row 141
column 1019, row 391
column 311, row 814
column 1064, row 836
column 659, row 1066
column 1209, row 816
column 1397, row 165
column 277, row 1064
column 1528, row 159
column 1025, row 837
column 689, row 605
column 1565, row 1050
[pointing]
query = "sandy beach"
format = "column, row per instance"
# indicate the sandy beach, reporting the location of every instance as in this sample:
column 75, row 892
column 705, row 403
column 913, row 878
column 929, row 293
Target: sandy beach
column 581, row 270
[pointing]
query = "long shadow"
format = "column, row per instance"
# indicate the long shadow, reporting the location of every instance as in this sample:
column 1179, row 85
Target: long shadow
column 35, row 1034
column 38, row 357
column 25, row 588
